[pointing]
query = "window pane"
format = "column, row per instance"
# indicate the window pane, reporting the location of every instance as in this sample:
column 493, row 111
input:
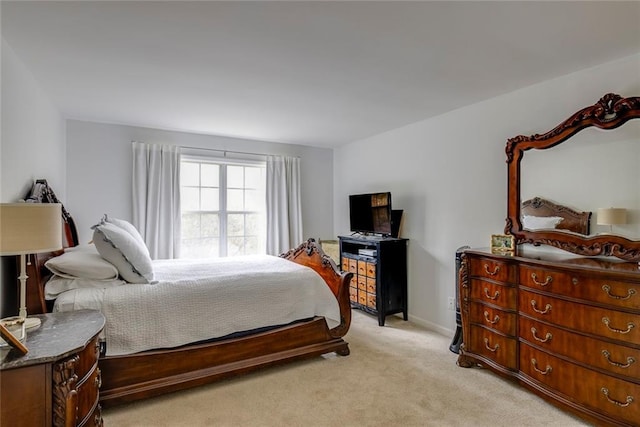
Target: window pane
column 201, row 248
column 251, row 246
column 189, row 173
column 254, row 200
column 210, row 175
column 235, row 176
column 210, row 225
column 253, row 225
column 235, row 200
column 210, row 199
column 235, row 246
column 235, row 225
column 190, row 225
column 253, row 177
column 189, row 199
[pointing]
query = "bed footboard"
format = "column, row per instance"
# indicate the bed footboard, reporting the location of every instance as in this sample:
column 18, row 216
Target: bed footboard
column 311, row 255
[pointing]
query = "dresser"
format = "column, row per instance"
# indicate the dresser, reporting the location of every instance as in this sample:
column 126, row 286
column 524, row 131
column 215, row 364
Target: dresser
column 567, row 327
column 379, row 267
column 57, row 382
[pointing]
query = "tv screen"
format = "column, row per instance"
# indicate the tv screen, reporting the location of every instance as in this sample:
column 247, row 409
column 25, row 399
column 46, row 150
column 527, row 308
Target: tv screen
column 370, row 213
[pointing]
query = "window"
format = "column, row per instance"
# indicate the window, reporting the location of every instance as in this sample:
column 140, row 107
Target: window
column 222, row 207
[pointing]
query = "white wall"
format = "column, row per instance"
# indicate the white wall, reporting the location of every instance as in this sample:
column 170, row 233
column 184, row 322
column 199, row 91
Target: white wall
column 99, row 166
column 32, row 146
column 32, row 143
column 449, row 174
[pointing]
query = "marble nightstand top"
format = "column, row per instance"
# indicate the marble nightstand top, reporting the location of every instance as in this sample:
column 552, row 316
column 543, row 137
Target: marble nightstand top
column 60, row 334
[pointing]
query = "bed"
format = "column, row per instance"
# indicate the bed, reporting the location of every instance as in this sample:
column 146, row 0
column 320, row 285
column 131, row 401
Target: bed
column 154, row 368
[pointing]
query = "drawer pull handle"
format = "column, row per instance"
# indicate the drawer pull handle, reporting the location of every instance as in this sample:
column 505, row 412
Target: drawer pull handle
column 547, row 370
column 486, row 344
column 547, row 308
column 495, row 319
column 630, row 360
column 630, row 326
column 494, row 297
column 546, row 337
column 495, row 271
column 548, row 280
column 605, row 391
column 607, row 290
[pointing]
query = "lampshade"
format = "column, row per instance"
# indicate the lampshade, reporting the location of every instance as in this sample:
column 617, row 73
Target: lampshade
column 612, row 216
column 29, row 228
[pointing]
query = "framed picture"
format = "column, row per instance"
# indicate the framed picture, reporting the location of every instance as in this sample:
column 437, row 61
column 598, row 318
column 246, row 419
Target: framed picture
column 502, row 243
column 11, row 339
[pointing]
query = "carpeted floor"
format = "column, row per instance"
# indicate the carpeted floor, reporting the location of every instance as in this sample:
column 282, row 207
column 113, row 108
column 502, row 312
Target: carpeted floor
column 396, row 375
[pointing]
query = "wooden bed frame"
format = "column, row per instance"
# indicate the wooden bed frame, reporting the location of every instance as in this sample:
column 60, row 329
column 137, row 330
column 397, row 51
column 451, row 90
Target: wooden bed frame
column 577, row 222
column 151, row 373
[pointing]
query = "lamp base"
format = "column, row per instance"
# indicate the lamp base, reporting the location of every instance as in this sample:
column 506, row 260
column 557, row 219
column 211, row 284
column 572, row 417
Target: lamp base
column 29, row 322
column 16, row 327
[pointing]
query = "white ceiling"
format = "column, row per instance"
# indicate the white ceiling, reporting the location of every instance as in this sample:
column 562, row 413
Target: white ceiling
column 312, row 73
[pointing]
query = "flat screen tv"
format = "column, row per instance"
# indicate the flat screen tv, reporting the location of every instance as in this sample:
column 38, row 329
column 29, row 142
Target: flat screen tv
column 370, row 213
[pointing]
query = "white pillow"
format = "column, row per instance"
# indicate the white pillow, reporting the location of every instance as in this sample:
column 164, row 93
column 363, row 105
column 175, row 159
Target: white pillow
column 57, row 285
column 128, row 227
column 531, row 222
column 82, row 263
column 122, row 250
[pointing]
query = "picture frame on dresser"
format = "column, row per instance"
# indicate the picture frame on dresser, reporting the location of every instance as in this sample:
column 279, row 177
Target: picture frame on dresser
column 12, row 340
column 502, row 244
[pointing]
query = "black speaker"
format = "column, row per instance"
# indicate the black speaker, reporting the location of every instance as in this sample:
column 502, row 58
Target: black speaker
column 457, row 338
column 396, row 219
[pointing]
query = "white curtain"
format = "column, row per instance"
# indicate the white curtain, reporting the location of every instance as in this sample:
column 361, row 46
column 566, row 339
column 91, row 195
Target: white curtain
column 284, row 208
column 156, row 197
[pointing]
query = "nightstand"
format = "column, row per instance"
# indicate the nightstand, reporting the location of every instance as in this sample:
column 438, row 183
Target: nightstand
column 57, row 382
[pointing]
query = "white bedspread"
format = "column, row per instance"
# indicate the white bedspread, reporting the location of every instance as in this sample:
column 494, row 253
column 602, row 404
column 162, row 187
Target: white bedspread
column 196, row 300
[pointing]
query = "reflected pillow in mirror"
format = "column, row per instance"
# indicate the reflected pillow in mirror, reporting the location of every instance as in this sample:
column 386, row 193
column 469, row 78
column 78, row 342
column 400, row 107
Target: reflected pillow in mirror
column 531, row 222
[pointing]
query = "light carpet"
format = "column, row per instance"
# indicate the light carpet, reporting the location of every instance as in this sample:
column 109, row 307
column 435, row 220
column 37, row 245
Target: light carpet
column 396, row 375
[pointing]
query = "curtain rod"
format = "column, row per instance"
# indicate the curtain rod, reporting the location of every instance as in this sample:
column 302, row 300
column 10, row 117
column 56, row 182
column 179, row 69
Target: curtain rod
column 224, row 152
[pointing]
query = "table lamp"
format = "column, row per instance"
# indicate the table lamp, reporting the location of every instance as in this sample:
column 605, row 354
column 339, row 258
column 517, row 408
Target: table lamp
column 29, row 228
column 611, row 217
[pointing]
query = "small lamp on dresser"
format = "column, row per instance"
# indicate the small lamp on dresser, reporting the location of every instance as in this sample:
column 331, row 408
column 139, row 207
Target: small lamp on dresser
column 28, row 228
column 611, row 217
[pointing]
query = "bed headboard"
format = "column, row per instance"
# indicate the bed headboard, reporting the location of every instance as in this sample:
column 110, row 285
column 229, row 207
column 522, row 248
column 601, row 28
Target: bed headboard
column 37, row 273
column 572, row 220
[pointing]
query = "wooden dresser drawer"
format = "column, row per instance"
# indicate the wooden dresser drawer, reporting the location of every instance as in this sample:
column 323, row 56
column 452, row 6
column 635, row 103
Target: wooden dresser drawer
column 353, row 293
column 607, row 395
column 371, row 269
column 88, row 396
column 353, row 266
column 617, row 325
column 492, row 269
column 493, row 346
column 88, row 359
column 615, row 358
column 371, row 285
column 362, row 283
column 362, row 267
column 371, row 301
column 493, row 318
column 491, row 293
column 94, row 419
column 589, row 288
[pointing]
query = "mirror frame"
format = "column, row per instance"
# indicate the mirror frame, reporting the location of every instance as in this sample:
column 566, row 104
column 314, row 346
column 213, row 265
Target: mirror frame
column 610, row 112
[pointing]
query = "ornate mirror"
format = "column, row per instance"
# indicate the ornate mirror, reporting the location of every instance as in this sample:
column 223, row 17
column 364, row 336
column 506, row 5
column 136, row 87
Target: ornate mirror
column 587, row 170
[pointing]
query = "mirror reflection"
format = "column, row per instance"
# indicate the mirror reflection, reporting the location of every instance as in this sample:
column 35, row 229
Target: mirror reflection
column 594, row 171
